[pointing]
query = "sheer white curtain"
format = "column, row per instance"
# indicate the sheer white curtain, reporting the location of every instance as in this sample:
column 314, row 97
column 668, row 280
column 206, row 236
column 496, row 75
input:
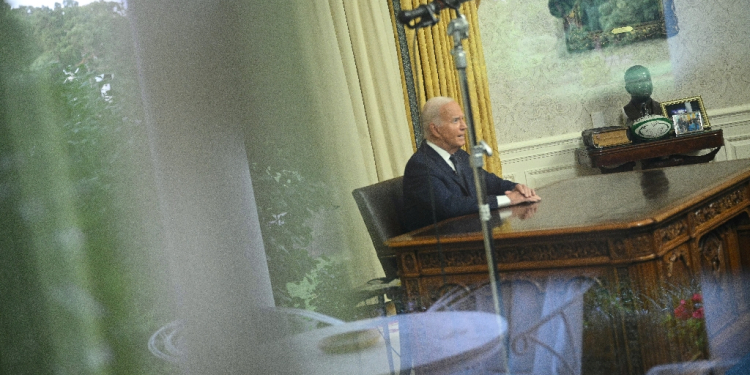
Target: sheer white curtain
column 560, row 337
column 352, row 77
column 220, row 75
column 356, row 76
column 377, row 72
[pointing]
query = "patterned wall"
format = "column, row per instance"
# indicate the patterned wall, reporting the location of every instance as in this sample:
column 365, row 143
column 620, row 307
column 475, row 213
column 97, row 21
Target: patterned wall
column 540, row 90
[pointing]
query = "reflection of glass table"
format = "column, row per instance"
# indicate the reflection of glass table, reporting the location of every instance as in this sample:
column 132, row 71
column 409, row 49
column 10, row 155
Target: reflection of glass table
column 440, row 342
column 654, row 154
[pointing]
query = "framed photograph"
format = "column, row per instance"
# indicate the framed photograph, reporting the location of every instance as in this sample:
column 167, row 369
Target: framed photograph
column 693, row 104
column 686, row 123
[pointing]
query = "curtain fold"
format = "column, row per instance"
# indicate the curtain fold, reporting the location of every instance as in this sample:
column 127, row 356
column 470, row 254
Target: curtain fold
column 434, row 72
column 375, row 72
column 338, row 121
column 348, row 95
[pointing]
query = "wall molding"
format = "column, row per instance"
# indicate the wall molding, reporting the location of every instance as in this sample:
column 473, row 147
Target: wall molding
column 737, row 139
column 545, row 143
column 540, row 162
column 545, row 155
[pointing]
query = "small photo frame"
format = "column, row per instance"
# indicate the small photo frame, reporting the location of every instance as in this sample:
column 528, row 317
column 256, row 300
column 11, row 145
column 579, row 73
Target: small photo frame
column 688, row 122
column 692, row 104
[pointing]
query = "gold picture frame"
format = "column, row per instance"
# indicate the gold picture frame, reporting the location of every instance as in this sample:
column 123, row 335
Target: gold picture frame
column 595, row 24
column 691, row 104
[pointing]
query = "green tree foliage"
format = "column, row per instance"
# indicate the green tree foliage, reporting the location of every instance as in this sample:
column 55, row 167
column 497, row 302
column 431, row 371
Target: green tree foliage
column 24, row 344
column 67, row 57
column 288, row 202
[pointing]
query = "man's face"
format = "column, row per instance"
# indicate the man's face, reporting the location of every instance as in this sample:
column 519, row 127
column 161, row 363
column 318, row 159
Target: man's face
column 450, row 134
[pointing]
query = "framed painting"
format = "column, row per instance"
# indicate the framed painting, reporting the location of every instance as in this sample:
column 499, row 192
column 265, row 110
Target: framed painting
column 693, row 104
column 594, row 24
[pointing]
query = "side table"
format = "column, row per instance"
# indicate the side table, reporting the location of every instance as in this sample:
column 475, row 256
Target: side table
column 654, row 154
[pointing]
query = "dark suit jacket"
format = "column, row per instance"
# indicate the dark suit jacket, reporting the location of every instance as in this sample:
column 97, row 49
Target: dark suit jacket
column 430, row 182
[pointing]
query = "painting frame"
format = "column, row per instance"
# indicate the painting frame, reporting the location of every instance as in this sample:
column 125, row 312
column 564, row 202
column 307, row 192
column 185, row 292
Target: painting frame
column 580, row 38
column 675, row 107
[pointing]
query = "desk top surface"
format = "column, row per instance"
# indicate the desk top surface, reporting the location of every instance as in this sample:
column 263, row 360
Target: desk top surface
column 595, row 203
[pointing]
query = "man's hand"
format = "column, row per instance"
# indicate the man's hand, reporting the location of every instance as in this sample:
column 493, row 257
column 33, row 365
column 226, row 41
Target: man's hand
column 524, row 211
column 522, row 194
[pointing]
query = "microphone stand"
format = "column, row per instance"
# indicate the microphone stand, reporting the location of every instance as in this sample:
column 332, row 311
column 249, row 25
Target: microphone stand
column 459, row 29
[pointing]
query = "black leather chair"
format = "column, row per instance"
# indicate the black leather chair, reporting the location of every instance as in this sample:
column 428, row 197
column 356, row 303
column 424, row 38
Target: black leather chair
column 380, row 205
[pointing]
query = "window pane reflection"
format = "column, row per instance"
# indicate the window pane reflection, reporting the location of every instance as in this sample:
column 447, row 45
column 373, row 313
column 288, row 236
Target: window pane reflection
column 146, row 164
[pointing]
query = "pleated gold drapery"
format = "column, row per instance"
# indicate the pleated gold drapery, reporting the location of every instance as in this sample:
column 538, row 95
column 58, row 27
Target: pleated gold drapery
column 435, row 73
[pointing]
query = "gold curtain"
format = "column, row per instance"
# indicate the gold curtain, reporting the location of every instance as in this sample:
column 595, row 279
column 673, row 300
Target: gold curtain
column 435, row 74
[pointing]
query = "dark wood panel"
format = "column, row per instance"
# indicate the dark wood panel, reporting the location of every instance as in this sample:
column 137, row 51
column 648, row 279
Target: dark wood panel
column 660, row 153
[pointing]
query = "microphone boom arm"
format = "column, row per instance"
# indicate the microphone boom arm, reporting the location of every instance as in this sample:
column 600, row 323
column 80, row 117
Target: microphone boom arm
column 426, row 14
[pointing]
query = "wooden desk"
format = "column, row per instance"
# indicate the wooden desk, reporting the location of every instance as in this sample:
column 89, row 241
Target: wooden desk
column 642, row 236
column 655, row 154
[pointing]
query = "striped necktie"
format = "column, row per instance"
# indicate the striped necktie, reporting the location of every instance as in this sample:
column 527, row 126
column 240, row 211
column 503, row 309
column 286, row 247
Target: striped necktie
column 458, row 170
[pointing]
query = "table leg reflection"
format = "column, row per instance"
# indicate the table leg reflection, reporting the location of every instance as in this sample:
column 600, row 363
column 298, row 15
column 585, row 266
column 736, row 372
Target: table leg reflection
column 439, row 343
column 545, row 321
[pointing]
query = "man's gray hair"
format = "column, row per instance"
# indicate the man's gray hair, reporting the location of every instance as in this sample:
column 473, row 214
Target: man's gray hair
column 431, row 113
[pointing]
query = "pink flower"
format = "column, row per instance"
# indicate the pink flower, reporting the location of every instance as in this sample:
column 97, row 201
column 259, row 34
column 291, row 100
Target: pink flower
column 681, row 312
column 699, row 314
column 697, row 298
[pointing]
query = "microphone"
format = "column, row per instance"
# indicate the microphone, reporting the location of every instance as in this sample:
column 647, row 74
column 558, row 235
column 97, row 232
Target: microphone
column 426, row 14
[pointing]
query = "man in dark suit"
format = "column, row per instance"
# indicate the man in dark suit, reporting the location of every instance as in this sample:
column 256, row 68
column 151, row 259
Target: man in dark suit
column 439, row 180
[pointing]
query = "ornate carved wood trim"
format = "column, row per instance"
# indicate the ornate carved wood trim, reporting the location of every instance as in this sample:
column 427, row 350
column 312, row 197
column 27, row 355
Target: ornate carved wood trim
column 464, row 258
column 413, row 296
column 630, row 247
column 642, row 245
column 409, row 264
column 676, row 254
column 551, row 252
column 673, row 231
column 619, row 248
column 710, row 249
column 516, row 254
column 708, row 212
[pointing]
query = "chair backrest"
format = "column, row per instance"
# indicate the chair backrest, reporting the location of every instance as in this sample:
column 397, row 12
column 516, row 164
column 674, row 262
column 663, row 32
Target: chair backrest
column 380, row 205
